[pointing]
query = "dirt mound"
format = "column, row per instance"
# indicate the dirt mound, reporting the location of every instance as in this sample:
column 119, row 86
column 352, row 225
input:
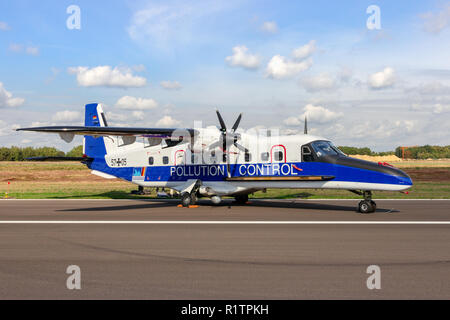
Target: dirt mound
column 390, row 158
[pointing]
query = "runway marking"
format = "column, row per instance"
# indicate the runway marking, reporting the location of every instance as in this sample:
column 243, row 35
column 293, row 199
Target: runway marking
column 224, row 222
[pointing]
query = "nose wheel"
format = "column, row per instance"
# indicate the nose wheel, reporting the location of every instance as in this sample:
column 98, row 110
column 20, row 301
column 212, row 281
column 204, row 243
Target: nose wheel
column 367, row 205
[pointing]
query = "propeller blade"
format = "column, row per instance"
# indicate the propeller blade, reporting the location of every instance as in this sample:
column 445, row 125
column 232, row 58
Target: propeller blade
column 223, row 127
column 236, row 124
column 242, row 148
column 306, row 127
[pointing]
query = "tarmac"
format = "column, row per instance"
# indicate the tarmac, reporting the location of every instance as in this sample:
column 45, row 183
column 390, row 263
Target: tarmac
column 267, row 249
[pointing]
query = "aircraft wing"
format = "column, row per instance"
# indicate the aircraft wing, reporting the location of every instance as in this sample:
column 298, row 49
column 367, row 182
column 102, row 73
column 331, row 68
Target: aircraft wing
column 115, row 131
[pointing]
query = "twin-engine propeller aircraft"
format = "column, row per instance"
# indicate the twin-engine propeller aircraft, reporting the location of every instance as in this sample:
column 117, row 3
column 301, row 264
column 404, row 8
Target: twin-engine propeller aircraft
column 205, row 162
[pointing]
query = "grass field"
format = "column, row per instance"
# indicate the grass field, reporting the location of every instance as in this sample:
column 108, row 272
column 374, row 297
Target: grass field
column 63, row 180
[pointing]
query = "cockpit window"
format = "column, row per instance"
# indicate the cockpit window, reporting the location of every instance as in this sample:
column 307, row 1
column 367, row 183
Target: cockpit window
column 324, row 148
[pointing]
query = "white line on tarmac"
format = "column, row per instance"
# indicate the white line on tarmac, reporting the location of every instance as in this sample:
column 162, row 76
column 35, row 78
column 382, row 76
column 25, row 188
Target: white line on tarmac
column 225, row 222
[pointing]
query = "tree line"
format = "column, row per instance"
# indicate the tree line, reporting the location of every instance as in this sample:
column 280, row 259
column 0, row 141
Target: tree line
column 19, row 154
column 418, row 152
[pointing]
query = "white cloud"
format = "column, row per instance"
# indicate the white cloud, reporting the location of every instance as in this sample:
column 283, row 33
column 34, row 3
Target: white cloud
column 315, row 114
column 66, row 115
column 304, row 51
column 170, row 85
column 4, row 26
column 18, row 48
column 292, row 121
column 279, row 67
column 139, row 115
column 138, row 68
column 436, row 22
column 241, row 58
column 7, row 100
column 319, row 114
column 169, row 24
column 440, row 108
column 431, row 88
column 34, row 51
column 15, row 47
column 167, row 121
column 269, row 27
column 382, row 79
column 319, row 82
column 106, row 76
column 115, row 116
column 133, row 103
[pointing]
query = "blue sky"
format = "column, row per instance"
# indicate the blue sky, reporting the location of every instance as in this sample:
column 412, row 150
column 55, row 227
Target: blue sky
column 168, row 63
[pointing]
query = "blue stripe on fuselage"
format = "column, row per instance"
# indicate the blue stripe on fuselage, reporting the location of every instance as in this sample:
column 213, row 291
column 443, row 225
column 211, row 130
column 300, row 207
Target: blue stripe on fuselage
column 217, row 172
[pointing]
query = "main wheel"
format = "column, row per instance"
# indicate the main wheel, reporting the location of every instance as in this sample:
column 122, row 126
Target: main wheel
column 365, row 207
column 374, row 205
column 216, row 199
column 241, row 199
column 186, row 199
column 194, row 198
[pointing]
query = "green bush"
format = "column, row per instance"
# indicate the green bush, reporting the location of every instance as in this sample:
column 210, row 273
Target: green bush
column 19, row 154
column 75, row 152
column 424, row 152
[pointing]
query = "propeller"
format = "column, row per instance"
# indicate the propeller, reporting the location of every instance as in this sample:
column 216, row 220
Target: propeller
column 228, row 138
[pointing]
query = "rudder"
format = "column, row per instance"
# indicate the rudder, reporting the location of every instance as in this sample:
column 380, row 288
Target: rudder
column 94, row 117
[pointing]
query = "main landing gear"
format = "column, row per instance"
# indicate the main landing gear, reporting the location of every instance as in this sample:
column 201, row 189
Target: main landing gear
column 367, row 205
column 188, row 199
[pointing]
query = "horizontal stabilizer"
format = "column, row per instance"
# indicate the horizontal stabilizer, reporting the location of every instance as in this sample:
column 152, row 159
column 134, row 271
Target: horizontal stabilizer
column 115, row 131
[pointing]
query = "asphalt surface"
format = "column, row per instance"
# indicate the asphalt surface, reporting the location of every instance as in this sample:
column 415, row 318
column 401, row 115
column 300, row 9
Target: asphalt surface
column 221, row 253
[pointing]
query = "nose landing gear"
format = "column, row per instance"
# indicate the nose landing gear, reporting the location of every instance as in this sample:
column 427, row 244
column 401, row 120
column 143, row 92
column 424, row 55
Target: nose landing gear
column 367, row 205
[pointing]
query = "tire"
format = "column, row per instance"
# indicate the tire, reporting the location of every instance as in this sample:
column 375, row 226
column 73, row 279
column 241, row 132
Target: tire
column 194, row 198
column 374, row 205
column 216, row 200
column 241, row 199
column 185, row 199
column 365, row 207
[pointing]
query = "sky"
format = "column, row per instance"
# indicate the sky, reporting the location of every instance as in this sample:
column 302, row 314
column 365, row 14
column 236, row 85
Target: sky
column 364, row 73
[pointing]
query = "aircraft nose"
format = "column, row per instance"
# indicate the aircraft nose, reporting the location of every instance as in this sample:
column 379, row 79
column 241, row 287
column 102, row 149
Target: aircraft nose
column 405, row 180
column 401, row 176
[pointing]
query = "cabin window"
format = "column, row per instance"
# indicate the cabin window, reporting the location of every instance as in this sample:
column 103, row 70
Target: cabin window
column 151, row 161
column 165, row 160
column 278, row 156
column 248, row 157
column 323, row 148
column 306, row 154
column 264, row 156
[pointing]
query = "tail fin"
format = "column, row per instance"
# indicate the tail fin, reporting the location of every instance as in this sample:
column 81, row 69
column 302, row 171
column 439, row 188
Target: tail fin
column 94, row 117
